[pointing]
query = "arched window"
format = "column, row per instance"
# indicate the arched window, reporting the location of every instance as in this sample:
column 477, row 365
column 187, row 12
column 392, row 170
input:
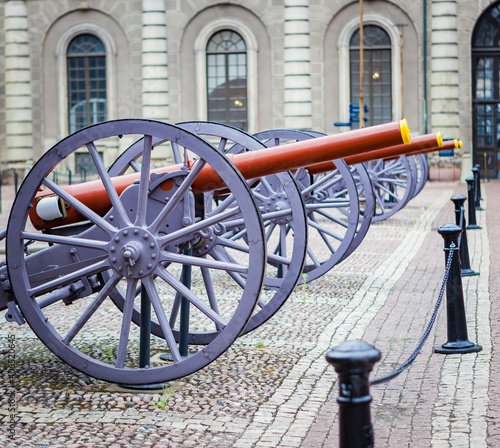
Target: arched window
column 227, row 79
column 86, row 74
column 486, row 91
column 377, row 76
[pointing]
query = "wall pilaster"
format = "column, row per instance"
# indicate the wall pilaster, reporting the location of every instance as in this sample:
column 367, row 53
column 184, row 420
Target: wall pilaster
column 297, row 66
column 444, row 69
column 18, row 91
column 155, row 96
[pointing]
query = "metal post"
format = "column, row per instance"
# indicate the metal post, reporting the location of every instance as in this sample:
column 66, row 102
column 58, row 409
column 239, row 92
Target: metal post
column 353, row 361
column 15, row 179
column 145, row 343
column 185, row 305
column 458, row 341
column 477, row 184
column 459, row 200
column 361, row 68
column 471, row 204
column 485, row 167
column 478, row 166
column 145, row 332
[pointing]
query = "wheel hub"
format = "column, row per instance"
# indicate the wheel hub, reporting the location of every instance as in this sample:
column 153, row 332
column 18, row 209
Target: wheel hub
column 134, row 252
column 276, row 203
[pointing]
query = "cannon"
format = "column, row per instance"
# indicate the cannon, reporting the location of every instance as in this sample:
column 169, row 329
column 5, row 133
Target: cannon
column 327, row 186
column 386, row 179
column 108, row 242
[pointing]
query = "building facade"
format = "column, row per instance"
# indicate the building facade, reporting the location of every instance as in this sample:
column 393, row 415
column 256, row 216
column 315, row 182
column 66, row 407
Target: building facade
column 255, row 64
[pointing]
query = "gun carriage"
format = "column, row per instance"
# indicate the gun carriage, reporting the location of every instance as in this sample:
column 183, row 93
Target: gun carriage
column 239, row 220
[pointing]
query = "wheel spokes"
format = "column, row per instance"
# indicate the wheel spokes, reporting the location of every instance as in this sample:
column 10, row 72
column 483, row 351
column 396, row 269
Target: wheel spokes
column 66, row 240
column 186, row 293
column 92, row 308
column 80, row 207
column 162, row 319
column 142, row 199
column 118, row 207
column 126, row 321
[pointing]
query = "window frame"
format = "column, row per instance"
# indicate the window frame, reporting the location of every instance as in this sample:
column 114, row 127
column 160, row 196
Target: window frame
column 480, row 133
column 200, row 48
column 369, row 53
column 344, row 63
column 226, row 56
column 89, row 100
column 61, row 55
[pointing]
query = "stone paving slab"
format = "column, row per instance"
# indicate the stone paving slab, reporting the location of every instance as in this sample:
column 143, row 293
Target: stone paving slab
column 273, row 387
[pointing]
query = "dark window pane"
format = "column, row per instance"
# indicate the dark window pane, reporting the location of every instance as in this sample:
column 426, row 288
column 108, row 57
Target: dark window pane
column 227, row 79
column 373, row 36
column 377, row 82
column 86, row 44
column 84, row 165
column 484, row 78
column 488, row 29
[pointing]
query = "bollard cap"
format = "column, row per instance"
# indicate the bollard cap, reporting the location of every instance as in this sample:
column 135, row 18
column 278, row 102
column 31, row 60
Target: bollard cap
column 449, row 230
column 458, row 199
column 354, row 353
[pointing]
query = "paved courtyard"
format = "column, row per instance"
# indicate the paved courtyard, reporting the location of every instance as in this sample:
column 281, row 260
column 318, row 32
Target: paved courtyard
column 273, row 387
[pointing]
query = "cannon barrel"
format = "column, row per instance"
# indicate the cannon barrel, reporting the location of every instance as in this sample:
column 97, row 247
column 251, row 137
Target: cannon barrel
column 447, row 144
column 422, row 142
column 253, row 164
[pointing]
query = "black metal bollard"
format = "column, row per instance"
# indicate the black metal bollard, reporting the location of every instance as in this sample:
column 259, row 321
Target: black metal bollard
column 16, row 180
column 477, row 188
column 479, row 180
column 471, row 204
column 459, row 200
column 458, row 341
column 353, row 361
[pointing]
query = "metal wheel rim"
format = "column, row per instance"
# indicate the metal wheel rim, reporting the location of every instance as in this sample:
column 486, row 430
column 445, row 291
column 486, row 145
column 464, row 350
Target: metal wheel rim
column 315, row 268
column 398, row 175
column 17, row 265
column 422, row 169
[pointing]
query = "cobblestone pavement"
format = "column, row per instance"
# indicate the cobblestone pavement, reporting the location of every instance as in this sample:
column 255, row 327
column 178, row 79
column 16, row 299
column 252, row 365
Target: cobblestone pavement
column 273, row 387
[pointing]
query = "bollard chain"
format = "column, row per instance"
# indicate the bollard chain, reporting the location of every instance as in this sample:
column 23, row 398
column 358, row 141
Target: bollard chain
column 411, row 358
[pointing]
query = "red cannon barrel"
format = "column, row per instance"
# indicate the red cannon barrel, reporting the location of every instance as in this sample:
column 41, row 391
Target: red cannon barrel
column 422, row 142
column 253, row 164
column 447, row 144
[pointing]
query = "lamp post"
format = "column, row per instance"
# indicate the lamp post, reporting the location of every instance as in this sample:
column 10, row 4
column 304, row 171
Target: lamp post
column 361, row 69
column 400, row 29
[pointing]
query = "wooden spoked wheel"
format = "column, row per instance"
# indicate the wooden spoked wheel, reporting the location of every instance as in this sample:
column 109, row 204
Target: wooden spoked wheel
column 137, row 241
column 283, row 213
